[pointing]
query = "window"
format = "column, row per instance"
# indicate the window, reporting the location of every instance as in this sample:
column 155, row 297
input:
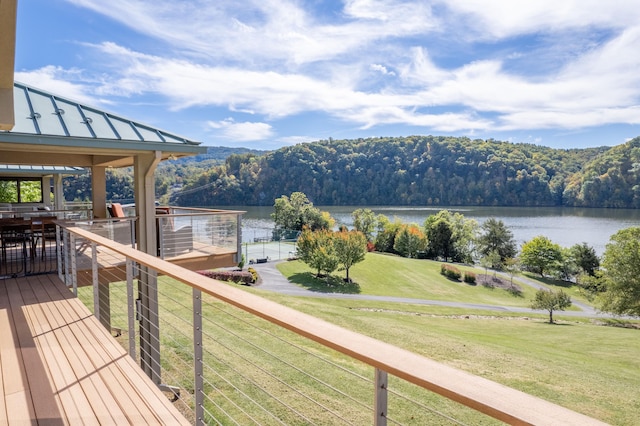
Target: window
column 18, row 190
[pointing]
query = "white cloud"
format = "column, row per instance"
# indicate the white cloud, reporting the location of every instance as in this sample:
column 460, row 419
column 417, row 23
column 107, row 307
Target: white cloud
column 507, row 18
column 242, row 132
column 275, row 59
column 381, row 69
column 58, row 80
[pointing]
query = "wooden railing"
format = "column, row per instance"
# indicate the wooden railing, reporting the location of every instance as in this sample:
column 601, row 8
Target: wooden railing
column 488, row 397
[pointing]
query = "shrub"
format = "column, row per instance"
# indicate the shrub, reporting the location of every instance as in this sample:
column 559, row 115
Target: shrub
column 469, row 277
column 254, row 274
column 243, row 277
column 450, row 272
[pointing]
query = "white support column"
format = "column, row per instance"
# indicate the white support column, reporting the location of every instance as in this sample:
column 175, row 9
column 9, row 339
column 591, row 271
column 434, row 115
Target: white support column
column 144, row 180
column 58, row 193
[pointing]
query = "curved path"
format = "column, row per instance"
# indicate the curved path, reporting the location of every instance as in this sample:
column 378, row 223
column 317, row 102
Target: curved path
column 273, row 280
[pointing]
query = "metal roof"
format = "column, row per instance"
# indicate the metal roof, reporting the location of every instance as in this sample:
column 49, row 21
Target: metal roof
column 40, row 113
column 17, row 169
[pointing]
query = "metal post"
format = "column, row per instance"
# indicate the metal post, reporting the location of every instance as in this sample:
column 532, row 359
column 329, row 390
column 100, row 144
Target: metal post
column 380, row 402
column 67, row 254
column 131, row 310
column 197, row 357
column 74, row 269
column 94, row 280
column 160, row 220
column 149, row 323
column 239, row 237
column 59, row 252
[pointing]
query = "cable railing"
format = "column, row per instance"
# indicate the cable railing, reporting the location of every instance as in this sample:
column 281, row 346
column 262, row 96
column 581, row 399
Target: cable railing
column 226, row 356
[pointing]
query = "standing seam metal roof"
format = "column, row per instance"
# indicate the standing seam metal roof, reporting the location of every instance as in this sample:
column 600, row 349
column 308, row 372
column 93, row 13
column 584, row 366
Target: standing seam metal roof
column 40, row 113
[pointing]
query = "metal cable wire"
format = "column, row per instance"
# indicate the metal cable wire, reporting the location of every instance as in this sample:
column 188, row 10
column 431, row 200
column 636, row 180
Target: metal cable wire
column 316, row 356
column 275, row 377
column 231, row 401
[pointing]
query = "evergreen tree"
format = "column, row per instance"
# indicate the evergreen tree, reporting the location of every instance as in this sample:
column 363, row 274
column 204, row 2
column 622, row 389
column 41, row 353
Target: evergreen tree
column 496, row 237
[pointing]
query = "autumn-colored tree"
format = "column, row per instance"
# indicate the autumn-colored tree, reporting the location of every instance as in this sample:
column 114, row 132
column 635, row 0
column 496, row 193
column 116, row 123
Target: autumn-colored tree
column 350, row 248
column 316, row 249
column 410, row 240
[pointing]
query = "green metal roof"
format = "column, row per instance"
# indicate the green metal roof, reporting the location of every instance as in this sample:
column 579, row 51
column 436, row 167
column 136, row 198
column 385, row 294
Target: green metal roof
column 38, row 113
column 15, row 169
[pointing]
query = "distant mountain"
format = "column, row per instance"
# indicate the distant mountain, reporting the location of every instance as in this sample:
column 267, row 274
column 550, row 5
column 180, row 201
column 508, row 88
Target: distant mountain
column 425, row 171
column 416, row 171
column 216, row 154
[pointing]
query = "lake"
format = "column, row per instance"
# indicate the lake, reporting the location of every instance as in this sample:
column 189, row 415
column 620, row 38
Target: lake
column 564, row 226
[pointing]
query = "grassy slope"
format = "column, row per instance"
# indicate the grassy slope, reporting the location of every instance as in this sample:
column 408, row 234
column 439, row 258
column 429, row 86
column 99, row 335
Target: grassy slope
column 579, row 364
column 383, row 275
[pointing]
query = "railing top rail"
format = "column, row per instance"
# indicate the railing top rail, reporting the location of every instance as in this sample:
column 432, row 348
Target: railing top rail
column 491, row 398
column 70, row 222
column 202, row 210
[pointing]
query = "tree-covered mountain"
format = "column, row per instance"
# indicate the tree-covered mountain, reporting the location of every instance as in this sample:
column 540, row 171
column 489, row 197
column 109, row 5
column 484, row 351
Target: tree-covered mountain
column 417, row 170
column 425, row 170
column 170, row 175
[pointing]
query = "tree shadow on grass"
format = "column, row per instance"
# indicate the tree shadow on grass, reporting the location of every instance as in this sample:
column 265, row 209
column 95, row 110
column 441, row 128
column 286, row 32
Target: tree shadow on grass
column 330, row 284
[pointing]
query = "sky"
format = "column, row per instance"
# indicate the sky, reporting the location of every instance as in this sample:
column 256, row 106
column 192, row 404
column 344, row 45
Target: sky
column 265, row 73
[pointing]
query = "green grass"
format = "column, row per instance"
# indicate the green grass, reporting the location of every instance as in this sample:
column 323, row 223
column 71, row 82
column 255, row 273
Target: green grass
column 384, row 275
column 579, row 364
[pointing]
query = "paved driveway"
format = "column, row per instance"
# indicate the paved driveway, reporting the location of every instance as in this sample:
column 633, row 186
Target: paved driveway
column 273, row 280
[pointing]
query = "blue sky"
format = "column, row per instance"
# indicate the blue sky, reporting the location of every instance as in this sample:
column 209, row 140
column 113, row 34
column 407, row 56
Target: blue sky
column 266, row 73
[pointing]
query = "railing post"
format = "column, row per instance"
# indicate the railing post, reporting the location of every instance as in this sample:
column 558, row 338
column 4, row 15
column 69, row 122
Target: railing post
column 59, row 252
column 149, row 323
column 380, row 403
column 239, row 237
column 198, row 369
column 67, row 254
column 131, row 314
column 161, row 242
column 94, row 280
column 74, row 268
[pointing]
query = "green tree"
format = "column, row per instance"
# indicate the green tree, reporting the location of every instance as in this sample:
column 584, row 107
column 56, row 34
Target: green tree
column 450, row 236
column 364, row 220
column 491, row 260
column 551, row 301
column 409, row 241
column 512, row 267
column 296, row 212
column 567, row 267
column 496, row 237
column 316, row 249
column 621, row 262
column 387, row 231
column 350, row 247
column 585, row 258
column 540, row 255
column 439, row 235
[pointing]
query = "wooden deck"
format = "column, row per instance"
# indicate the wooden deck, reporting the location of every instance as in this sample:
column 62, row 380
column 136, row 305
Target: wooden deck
column 58, row 365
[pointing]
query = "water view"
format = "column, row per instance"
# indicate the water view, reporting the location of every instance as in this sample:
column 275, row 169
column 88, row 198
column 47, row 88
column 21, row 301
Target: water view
column 564, row 226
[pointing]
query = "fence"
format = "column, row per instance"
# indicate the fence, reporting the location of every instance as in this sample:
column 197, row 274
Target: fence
column 229, row 357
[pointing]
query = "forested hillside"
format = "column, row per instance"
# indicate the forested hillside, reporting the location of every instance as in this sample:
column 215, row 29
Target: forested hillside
column 418, row 170
column 426, row 170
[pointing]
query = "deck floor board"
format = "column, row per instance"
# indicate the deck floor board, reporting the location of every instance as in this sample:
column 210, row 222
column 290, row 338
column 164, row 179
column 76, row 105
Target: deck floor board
column 59, row 365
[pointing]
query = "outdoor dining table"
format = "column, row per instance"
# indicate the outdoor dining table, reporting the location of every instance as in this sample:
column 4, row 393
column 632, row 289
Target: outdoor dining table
column 24, row 234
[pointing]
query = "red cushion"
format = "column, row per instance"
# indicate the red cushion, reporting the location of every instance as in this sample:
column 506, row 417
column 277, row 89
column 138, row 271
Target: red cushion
column 117, row 210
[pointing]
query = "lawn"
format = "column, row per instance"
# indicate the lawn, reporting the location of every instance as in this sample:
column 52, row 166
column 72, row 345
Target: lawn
column 384, row 275
column 579, row 363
